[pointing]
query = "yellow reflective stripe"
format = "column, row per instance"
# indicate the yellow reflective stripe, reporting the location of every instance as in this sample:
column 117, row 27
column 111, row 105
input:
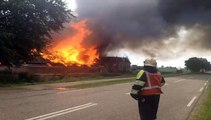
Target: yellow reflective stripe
column 139, row 82
column 140, row 73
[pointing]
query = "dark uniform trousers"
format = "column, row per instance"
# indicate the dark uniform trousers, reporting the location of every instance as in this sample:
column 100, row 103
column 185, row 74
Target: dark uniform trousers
column 148, row 106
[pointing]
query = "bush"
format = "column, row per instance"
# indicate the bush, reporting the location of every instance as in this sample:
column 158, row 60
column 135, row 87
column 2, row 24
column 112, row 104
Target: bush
column 28, row 78
column 6, row 78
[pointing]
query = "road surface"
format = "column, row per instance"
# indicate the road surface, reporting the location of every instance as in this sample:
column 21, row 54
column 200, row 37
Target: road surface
column 103, row 103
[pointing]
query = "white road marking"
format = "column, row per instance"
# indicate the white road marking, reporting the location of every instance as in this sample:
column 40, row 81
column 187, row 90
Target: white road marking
column 191, row 102
column 205, row 83
column 201, row 89
column 179, row 81
column 61, row 112
column 166, row 84
column 206, row 87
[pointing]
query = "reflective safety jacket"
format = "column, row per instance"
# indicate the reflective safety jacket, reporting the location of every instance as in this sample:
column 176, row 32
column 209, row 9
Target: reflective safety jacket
column 153, row 84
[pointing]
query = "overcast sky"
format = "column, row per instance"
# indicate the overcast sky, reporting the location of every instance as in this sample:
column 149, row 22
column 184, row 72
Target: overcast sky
column 170, row 31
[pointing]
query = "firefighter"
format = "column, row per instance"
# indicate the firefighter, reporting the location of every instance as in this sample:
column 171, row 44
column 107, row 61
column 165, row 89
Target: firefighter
column 147, row 90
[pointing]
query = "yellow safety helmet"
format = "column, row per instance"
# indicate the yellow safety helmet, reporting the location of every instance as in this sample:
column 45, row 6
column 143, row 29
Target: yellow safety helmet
column 150, row 62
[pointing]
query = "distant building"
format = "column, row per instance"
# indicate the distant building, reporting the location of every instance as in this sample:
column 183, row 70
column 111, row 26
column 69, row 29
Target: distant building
column 115, row 64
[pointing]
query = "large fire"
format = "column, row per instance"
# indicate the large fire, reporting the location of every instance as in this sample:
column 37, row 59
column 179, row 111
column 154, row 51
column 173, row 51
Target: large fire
column 72, row 50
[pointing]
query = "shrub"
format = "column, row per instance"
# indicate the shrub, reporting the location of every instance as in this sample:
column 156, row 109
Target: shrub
column 6, row 78
column 28, row 78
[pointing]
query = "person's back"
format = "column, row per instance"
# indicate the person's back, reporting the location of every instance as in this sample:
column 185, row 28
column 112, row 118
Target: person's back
column 147, row 90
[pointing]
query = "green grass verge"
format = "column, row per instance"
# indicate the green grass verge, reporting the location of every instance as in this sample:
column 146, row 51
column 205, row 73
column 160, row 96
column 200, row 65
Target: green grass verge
column 28, row 80
column 105, row 83
column 99, row 84
column 203, row 111
column 87, row 78
column 13, row 81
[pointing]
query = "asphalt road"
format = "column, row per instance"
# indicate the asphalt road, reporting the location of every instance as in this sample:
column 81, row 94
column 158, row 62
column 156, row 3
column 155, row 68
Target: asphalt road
column 104, row 103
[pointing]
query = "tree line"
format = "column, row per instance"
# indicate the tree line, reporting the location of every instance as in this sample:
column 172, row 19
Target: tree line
column 195, row 64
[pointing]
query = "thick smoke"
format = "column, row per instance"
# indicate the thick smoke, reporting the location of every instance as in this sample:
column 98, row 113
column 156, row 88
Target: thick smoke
column 186, row 12
column 193, row 14
column 146, row 25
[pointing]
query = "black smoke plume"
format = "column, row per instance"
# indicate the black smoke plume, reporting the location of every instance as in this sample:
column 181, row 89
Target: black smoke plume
column 145, row 25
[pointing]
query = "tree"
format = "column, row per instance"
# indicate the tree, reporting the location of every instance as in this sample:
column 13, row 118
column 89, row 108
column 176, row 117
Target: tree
column 196, row 64
column 26, row 25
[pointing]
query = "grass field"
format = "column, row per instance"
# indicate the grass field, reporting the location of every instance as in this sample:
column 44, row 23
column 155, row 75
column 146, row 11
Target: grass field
column 16, row 80
column 99, row 84
column 167, row 70
column 203, row 111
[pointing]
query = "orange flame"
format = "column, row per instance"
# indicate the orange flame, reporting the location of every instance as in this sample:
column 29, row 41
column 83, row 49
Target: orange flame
column 72, row 50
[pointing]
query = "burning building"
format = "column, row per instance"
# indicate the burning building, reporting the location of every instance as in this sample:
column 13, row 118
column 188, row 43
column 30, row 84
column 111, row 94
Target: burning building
column 115, row 64
column 73, row 49
column 102, row 65
column 76, row 50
